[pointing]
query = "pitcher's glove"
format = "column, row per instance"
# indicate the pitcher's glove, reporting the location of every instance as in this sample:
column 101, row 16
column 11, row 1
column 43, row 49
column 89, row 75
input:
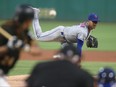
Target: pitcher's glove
column 92, row 42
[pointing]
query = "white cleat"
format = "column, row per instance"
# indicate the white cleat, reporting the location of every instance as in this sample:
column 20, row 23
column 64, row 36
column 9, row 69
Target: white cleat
column 36, row 12
column 57, row 56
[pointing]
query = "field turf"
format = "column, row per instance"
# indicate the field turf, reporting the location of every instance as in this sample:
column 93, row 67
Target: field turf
column 25, row 67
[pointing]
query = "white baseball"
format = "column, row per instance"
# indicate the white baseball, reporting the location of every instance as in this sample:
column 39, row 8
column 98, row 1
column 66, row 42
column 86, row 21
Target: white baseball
column 52, row 13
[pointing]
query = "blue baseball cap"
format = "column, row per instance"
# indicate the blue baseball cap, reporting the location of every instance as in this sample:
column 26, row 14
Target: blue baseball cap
column 93, row 17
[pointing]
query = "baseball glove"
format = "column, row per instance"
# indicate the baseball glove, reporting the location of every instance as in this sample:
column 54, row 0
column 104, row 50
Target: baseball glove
column 92, row 42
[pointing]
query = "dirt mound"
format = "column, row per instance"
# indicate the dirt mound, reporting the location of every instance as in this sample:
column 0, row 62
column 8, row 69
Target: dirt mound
column 105, row 56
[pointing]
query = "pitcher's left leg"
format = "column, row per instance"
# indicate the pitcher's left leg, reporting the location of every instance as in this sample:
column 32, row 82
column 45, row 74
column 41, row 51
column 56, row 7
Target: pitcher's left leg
column 52, row 35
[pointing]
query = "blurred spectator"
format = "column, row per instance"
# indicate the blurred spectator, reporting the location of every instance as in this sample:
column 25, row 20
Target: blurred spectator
column 106, row 77
column 60, row 73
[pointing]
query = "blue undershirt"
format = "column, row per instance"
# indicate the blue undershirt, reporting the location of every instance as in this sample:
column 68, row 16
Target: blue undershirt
column 79, row 46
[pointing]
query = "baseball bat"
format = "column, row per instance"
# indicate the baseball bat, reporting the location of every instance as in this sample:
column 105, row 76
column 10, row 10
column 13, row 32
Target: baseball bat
column 9, row 37
column 5, row 34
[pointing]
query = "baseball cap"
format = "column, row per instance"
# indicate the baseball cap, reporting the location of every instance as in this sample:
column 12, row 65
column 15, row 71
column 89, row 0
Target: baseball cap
column 93, row 17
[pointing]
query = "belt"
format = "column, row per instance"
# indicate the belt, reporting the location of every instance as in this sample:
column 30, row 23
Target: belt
column 62, row 33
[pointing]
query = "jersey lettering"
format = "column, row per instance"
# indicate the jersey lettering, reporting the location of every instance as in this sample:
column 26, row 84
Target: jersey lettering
column 83, row 25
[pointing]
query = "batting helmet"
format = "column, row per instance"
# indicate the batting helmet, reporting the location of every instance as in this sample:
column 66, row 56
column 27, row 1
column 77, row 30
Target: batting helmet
column 106, row 75
column 23, row 13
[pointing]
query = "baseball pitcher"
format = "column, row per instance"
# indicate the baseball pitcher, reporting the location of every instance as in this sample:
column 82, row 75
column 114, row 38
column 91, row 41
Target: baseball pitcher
column 68, row 35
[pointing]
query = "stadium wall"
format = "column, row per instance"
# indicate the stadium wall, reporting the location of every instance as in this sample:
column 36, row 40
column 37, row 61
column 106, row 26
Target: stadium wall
column 66, row 9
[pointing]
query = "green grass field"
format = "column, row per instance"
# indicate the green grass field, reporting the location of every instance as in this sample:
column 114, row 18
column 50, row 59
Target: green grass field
column 105, row 32
column 25, row 67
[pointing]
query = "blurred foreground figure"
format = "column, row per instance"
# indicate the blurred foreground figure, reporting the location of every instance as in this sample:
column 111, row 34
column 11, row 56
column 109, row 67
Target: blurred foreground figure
column 106, row 78
column 18, row 28
column 60, row 73
column 69, row 53
column 3, row 81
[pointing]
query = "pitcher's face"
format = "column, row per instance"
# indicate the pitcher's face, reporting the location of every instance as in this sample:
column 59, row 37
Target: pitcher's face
column 92, row 24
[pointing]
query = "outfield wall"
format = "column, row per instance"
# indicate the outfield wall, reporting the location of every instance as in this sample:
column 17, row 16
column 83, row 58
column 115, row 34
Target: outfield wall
column 66, row 9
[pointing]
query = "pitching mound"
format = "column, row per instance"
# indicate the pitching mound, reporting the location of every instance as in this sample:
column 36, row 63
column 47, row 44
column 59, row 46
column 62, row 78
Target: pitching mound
column 104, row 56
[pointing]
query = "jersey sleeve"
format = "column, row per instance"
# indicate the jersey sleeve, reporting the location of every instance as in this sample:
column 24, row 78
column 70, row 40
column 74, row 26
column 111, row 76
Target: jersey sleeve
column 82, row 35
column 79, row 46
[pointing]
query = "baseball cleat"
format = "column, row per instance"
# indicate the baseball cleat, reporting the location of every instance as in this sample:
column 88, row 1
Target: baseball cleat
column 57, row 56
column 36, row 12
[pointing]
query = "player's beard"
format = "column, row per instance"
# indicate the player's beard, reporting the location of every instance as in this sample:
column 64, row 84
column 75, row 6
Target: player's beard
column 94, row 26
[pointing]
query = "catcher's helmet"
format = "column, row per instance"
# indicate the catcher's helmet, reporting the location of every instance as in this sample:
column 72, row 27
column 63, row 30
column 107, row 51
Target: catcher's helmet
column 106, row 75
column 23, row 13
